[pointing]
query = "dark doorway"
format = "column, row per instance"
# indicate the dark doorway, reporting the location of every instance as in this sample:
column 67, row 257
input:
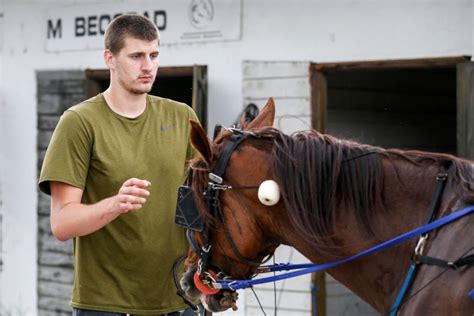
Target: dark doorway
column 394, row 108
column 407, row 104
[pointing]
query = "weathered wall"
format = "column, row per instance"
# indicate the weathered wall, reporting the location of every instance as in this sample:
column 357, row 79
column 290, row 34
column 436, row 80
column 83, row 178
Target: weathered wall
column 57, row 91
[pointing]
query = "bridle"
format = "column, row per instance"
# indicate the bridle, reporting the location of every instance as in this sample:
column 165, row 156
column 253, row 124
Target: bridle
column 187, row 215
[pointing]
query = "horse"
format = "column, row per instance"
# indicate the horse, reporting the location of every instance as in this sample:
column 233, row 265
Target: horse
column 330, row 198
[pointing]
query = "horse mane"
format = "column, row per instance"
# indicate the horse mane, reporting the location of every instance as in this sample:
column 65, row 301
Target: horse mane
column 326, row 171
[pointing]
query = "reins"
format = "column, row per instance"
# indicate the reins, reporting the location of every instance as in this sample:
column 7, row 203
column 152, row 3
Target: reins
column 309, row 268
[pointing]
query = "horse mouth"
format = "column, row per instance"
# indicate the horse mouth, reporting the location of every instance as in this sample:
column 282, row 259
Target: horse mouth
column 219, row 302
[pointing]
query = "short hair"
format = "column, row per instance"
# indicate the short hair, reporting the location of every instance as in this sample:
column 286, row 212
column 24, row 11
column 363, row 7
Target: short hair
column 133, row 25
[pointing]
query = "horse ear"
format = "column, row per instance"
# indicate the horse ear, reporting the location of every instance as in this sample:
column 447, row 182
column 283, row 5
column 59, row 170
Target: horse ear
column 266, row 116
column 200, row 141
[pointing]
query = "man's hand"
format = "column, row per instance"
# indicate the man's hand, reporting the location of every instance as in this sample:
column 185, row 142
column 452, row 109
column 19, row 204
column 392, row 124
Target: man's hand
column 132, row 195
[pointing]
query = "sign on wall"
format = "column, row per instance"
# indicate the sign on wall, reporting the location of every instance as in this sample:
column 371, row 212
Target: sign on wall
column 81, row 27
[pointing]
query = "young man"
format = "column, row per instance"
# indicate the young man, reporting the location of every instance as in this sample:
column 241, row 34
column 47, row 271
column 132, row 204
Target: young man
column 113, row 168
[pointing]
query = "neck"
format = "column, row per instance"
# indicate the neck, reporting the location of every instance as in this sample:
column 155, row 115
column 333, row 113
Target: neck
column 125, row 103
column 377, row 278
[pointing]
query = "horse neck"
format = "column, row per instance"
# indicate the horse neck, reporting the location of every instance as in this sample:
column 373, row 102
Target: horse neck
column 407, row 194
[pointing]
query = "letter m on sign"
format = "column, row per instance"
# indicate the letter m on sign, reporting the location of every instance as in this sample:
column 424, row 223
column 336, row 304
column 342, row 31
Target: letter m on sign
column 54, row 30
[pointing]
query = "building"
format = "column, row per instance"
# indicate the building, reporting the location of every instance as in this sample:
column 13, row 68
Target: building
column 395, row 73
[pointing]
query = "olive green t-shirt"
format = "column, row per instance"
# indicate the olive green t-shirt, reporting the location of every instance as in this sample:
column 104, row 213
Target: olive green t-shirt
column 127, row 265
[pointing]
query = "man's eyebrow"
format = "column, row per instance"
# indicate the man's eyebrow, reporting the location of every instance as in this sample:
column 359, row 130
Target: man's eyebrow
column 143, row 53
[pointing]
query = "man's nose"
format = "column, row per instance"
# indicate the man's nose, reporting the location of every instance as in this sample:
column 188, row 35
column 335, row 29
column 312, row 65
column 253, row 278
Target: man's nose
column 147, row 63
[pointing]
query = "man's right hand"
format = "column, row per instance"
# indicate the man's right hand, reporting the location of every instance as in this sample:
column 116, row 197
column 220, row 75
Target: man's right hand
column 132, row 195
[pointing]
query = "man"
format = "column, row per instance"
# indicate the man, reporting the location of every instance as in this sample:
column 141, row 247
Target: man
column 113, row 168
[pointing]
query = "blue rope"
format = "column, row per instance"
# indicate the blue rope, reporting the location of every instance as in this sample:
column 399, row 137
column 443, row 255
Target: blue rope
column 309, row 268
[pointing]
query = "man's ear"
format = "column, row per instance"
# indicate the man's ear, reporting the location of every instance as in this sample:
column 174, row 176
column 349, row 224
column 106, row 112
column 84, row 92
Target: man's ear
column 200, row 141
column 109, row 59
column 266, row 116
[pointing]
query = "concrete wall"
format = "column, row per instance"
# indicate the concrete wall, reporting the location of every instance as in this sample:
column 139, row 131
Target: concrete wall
column 317, row 31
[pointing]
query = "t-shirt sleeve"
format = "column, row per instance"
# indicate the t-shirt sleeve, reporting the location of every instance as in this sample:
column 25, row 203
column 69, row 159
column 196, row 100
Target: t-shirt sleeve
column 68, row 155
column 191, row 151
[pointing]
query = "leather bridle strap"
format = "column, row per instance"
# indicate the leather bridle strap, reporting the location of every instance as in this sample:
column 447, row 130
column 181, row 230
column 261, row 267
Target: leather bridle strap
column 235, row 139
column 211, row 194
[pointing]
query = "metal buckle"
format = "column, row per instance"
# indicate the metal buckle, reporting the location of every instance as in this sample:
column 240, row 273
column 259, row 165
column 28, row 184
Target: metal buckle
column 420, row 246
column 215, row 178
column 216, row 186
column 441, row 176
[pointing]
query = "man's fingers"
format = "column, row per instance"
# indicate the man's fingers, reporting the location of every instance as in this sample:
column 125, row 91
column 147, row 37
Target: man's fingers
column 125, row 207
column 137, row 183
column 123, row 198
column 134, row 191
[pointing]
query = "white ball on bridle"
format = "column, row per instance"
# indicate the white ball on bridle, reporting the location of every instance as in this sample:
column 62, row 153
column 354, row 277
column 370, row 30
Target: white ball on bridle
column 269, row 192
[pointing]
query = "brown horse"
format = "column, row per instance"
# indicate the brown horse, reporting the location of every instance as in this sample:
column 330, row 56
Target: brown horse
column 338, row 198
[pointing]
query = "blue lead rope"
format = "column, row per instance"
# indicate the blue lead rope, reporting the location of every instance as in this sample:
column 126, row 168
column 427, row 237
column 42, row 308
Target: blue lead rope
column 309, row 268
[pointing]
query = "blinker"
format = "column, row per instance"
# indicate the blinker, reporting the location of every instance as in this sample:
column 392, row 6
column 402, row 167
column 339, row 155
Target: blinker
column 187, row 214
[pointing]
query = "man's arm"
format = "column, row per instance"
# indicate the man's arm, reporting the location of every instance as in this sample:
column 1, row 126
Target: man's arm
column 71, row 218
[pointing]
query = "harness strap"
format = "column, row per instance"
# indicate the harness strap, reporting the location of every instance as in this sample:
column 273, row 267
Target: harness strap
column 463, row 261
column 438, row 193
column 212, row 196
column 224, row 157
column 435, row 202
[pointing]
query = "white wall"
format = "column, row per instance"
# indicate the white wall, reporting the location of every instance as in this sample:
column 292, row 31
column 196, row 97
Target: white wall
column 337, row 30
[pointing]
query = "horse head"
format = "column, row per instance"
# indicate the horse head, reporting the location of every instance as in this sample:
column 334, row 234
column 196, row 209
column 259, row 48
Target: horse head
column 234, row 199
